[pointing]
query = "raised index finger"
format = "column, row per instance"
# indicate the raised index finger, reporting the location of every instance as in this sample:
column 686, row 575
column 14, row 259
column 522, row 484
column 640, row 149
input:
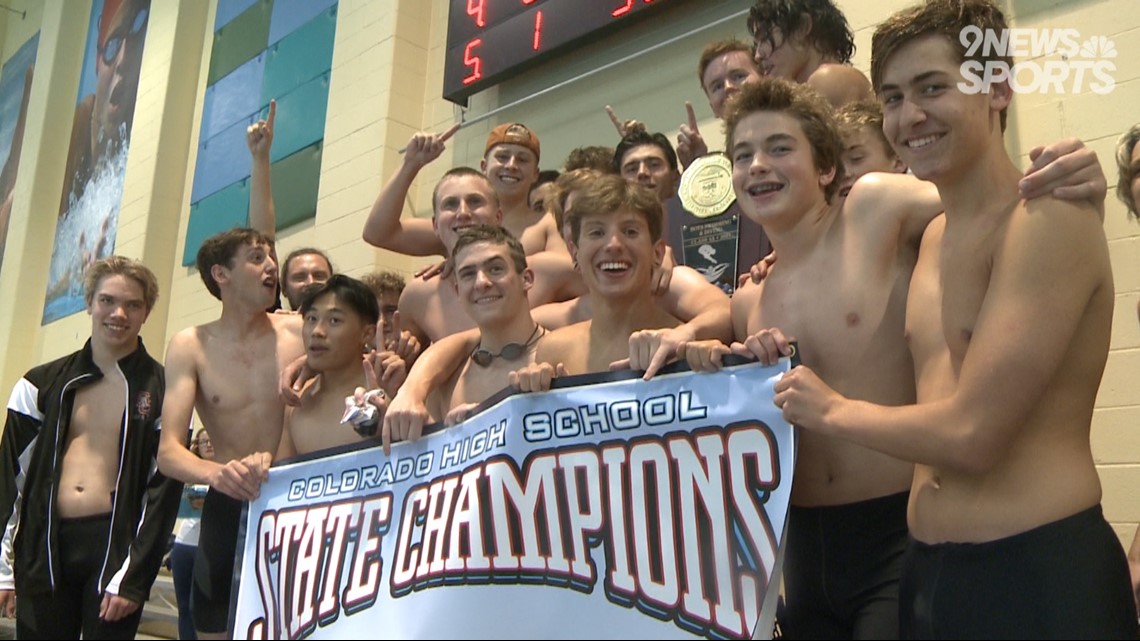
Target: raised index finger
column 692, row 115
column 272, row 113
column 370, row 379
column 449, row 133
column 395, row 331
column 613, row 118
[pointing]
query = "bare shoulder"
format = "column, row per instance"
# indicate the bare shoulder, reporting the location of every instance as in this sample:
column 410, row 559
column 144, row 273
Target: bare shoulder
column 553, row 315
column 560, row 344
column 879, row 193
column 744, row 302
column 840, row 83
column 555, row 278
column 289, row 323
column 553, row 236
column 747, row 297
column 187, row 337
column 891, row 207
column 686, row 278
column 189, row 341
column 1058, row 227
column 186, row 353
column 548, row 223
column 416, row 295
column 549, row 262
column 419, row 289
column 1078, row 213
column 840, row 71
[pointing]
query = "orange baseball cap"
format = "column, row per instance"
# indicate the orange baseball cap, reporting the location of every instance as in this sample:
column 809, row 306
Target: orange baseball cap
column 513, row 133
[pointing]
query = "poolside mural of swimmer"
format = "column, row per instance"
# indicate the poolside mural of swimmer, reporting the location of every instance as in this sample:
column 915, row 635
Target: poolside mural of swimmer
column 15, row 88
column 97, row 157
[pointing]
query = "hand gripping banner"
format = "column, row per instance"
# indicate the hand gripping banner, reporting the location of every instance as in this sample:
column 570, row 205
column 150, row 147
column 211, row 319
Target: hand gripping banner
column 615, row 509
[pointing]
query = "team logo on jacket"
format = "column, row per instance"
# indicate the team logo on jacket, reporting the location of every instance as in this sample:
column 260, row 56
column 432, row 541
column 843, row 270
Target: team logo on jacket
column 143, row 404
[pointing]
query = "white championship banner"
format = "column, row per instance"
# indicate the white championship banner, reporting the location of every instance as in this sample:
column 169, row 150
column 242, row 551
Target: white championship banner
column 625, row 509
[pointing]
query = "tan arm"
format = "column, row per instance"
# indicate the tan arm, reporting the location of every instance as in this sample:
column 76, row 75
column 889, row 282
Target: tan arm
column 259, row 139
column 384, row 228
column 1051, row 265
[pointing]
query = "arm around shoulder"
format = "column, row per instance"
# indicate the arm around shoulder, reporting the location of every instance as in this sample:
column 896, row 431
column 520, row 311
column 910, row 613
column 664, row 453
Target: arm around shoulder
column 702, row 307
column 903, row 203
column 1050, row 288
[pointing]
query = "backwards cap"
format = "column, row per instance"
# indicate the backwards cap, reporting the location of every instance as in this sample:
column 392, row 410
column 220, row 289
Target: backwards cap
column 513, row 133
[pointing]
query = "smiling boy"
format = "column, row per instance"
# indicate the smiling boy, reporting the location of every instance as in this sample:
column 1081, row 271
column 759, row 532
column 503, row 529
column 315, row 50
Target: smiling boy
column 339, row 318
column 89, row 515
column 1008, row 316
column 839, row 288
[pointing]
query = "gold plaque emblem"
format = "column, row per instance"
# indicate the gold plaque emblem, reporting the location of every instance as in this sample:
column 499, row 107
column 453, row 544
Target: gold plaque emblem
column 706, row 186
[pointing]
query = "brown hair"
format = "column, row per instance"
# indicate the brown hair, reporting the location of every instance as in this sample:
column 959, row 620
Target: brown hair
column 607, row 194
column 857, row 115
column 714, row 50
column 384, row 282
column 946, row 18
column 121, row 266
column 830, row 34
column 593, row 157
column 460, row 172
column 800, row 102
column 1128, row 170
column 304, row 251
column 220, row 249
column 570, row 181
column 494, row 236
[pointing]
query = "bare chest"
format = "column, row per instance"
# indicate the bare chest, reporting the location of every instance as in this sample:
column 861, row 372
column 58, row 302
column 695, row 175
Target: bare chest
column 476, row 384
column 964, row 271
column 234, row 375
column 316, row 426
column 569, row 346
column 833, row 309
column 91, row 451
column 527, row 229
column 97, row 413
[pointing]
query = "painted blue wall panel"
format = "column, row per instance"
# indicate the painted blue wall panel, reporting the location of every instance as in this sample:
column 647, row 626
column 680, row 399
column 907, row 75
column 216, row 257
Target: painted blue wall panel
column 230, row 99
column 299, row 57
column 300, row 118
column 240, row 41
column 224, row 210
column 296, row 182
column 294, row 68
column 230, row 9
column 288, row 15
column 222, row 161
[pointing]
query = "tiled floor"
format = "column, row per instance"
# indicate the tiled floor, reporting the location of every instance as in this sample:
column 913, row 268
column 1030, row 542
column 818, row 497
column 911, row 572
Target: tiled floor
column 8, row 631
column 159, row 619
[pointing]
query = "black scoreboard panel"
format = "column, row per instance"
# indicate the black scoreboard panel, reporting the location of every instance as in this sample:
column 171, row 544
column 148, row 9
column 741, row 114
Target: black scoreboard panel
column 488, row 40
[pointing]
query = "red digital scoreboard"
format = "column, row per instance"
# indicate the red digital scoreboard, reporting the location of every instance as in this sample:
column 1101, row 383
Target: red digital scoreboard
column 488, row 40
